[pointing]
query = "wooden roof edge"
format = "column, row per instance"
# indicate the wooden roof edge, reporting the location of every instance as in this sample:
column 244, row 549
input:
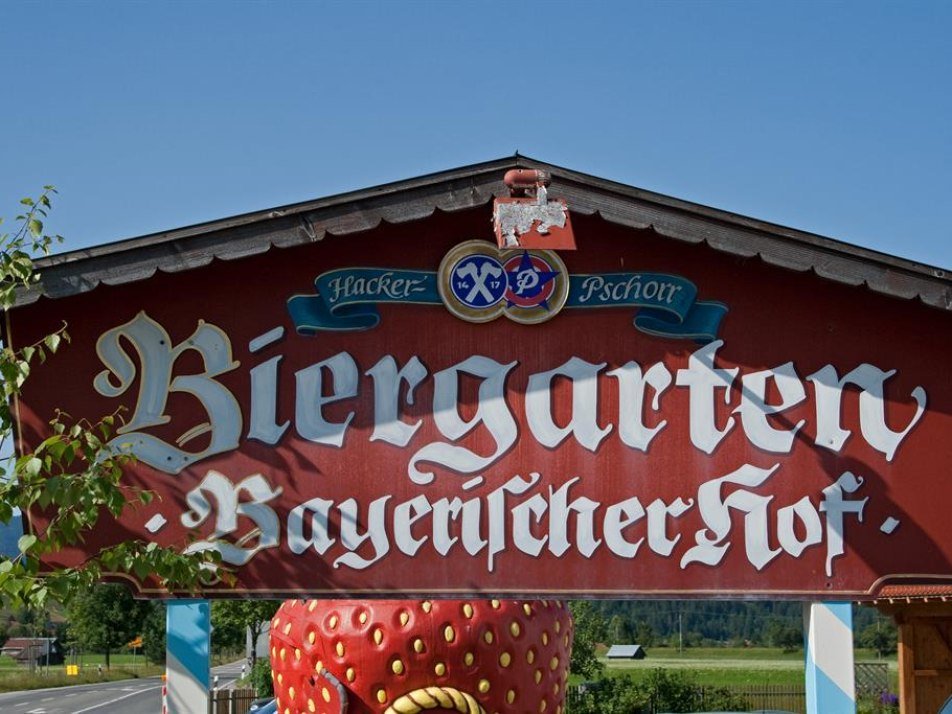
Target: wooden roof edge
column 468, row 187
column 290, row 209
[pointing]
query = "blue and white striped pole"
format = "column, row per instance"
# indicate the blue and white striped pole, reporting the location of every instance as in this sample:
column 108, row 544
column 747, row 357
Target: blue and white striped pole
column 187, row 655
column 828, row 638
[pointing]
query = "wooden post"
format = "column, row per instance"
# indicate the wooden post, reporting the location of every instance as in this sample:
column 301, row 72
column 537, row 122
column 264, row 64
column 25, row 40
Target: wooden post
column 907, row 667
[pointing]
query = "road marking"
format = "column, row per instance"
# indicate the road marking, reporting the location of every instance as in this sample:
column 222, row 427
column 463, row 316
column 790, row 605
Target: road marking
column 111, row 701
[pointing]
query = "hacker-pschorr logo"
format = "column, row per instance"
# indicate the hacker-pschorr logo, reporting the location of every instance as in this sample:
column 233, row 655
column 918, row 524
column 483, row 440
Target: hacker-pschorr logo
column 478, row 283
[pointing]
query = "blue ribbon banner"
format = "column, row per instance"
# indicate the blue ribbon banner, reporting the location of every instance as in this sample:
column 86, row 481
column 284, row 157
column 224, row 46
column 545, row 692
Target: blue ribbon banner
column 346, row 299
column 668, row 305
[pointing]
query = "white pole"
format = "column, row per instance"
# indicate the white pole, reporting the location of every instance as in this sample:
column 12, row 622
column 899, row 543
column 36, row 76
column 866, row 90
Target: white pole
column 828, row 651
column 187, row 656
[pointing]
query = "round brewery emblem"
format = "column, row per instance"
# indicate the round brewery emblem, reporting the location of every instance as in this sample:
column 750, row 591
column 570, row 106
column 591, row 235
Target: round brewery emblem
column 477, row 283
column 472, row 282
column 537, row 285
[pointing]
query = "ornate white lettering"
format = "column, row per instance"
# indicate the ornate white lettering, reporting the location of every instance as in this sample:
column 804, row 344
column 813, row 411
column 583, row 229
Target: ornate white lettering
column 631, row 399
column 229, row 507
column 491, row 412
column 157, row 358
column 584, row 422
column 310, row 399
column 703, row 379
column 872, row 408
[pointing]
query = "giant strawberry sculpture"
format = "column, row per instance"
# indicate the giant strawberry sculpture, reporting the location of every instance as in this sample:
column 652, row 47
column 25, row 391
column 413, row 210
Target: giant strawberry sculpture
column 412, row 656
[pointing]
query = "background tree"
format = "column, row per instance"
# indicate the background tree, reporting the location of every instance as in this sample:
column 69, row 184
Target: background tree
column 106, row 618
column 261, row 680
column 656, row 691
column 881, row 637
column 644, row 634
column 72, row 476
column 590, row 629
column 228, row 628
column 710, row 621
column 619, row 631
column 235, row 617
column 612, row 695
column 785, row 635
column 667, row 690
column 153, row 632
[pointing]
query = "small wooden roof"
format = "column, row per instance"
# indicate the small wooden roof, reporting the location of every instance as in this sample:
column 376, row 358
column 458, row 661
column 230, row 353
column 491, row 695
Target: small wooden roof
column 625, row 651
column 898, row 594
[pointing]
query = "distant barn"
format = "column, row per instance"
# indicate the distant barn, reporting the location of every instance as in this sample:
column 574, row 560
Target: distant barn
column 40, row 650
column 626, row 652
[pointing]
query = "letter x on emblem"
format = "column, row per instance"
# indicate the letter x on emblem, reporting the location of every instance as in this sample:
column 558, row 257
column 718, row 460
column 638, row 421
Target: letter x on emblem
column 480, row 275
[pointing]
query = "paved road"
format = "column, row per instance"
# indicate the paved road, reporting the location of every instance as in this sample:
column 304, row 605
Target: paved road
column 132, row 696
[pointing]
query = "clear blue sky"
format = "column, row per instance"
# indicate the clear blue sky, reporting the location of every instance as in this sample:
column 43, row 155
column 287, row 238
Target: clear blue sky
column 829, row 117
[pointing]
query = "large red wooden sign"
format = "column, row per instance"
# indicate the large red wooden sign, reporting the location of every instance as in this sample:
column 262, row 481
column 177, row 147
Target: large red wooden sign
column 410, row 410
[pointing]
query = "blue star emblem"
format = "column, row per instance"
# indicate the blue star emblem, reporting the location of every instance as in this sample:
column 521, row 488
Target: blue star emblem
column 527, row 281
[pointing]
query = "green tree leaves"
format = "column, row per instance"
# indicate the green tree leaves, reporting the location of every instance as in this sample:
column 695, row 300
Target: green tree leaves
column 233, row 618
column 72, row 479
column 18, row 248
column 106, row 618
column 880, row 636
column 261, row 680
column 661, row 690
column 153, row 633
column 590, row 629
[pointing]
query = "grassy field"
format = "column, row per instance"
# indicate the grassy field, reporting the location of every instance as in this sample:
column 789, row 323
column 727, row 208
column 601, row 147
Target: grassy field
column 123, row 665
column 711, row 666
column 730, row 666
column 18, row 679
column 14, row 677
